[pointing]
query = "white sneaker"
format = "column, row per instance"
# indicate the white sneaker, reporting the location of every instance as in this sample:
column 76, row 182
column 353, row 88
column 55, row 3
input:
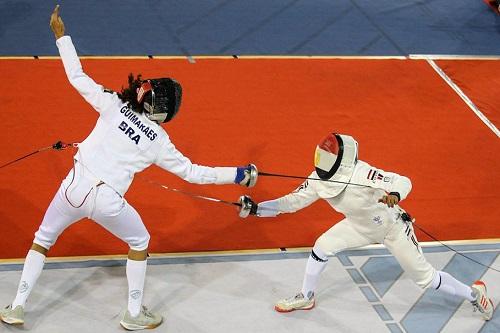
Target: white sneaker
column 482, row 302
column 145, row 319
column 297, row 302
column 12, row 316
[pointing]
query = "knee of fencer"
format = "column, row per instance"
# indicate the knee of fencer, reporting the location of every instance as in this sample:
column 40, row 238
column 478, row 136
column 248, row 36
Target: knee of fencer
column 326, row 245
column 140, row 243
column 45, row 239
column 45, row 246
column 425, row 282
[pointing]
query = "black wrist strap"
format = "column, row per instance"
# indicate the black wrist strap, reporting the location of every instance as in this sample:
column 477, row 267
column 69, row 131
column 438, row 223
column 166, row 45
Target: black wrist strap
column 396, row 194
column 253, row 209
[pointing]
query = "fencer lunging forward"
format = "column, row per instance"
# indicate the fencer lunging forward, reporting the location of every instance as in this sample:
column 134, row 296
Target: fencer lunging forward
column 371, row 216
column 127, row 138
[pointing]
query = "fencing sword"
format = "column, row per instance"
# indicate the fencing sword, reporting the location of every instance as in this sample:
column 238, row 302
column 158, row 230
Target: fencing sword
column 190, row 194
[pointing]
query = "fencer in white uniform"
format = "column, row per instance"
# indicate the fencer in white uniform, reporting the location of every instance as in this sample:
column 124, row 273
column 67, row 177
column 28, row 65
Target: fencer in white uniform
column 126, row 139
column 368, row 198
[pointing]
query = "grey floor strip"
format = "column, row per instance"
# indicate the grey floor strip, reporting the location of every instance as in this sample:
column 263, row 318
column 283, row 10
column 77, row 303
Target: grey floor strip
column 343, row 257
column 344, row 260
column 356, row 276
column 382, row 312
column 369, row 294
column 165, row 261
column 382, row 280
column 394, row 328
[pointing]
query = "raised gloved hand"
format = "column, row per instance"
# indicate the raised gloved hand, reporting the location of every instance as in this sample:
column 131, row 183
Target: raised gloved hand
column 246, row 176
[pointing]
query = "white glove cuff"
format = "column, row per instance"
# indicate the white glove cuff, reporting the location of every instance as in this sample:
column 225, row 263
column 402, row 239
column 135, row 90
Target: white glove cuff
column 268, row 208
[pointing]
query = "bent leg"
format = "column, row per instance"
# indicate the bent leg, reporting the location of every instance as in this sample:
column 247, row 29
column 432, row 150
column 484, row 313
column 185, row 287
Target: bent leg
column 118, row 217
column 340, row 237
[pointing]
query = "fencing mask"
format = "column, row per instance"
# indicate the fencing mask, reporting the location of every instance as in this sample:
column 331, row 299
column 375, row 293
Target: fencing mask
column 161, row 99
column 335, row 157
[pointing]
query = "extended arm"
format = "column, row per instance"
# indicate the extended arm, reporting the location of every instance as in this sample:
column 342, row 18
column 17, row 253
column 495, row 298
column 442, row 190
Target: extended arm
column 302, row 197
column 92, row 92
column 174, row 161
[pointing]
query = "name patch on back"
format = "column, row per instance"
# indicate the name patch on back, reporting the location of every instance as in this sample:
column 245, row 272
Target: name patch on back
column 133, row 131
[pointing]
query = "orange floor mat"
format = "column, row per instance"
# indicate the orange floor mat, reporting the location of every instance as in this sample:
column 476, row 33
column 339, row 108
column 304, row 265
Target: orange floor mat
column 480, row 81
column 271, row 112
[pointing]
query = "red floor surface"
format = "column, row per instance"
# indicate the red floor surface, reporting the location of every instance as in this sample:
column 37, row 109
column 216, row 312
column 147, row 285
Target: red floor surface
column 479, row 80
column 269, row 112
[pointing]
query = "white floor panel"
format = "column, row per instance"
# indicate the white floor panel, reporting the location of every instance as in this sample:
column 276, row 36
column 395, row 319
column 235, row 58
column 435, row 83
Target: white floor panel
column 233, row 294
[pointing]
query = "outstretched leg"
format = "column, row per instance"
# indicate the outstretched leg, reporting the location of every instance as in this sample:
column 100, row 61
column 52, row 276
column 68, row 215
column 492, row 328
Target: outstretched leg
column 403, row 244
column 59, row 216
column 476, row 294
column 33, row 266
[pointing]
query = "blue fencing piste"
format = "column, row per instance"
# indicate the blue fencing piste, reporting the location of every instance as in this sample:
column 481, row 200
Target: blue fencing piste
column 256, row 27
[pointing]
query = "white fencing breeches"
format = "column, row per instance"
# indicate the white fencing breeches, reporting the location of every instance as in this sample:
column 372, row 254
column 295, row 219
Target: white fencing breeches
column 399, row 239
column 80, row 195
column 403, row 244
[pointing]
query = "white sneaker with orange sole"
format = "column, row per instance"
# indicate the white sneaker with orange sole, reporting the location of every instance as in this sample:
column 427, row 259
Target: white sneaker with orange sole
column 297, row 302
column 145, row 320
column 482, row 303
column 12, row 316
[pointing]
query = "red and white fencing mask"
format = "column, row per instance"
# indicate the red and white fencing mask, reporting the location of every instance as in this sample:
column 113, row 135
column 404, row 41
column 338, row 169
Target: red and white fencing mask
column 335, row 157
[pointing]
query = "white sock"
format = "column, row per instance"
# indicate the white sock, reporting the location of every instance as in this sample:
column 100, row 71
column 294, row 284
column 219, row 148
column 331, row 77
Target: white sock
column 315, row 265
column 33, row 266
column 448, row 284
column 136, row 274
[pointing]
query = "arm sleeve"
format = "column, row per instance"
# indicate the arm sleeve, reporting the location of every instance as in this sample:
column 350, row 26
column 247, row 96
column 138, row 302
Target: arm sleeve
column 172, row 160
column 302, row 197
column 390, row 182
column 92, row 92
column 268, row 208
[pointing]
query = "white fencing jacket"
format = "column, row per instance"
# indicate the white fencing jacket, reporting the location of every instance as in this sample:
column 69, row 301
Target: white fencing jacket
column 359, row 204
column 124, row 142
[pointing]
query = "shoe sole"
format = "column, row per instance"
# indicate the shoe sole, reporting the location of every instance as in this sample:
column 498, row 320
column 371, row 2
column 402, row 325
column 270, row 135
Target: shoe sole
column 278, row 309
column 16, row 322
column 133, row 327
column 492, row 310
